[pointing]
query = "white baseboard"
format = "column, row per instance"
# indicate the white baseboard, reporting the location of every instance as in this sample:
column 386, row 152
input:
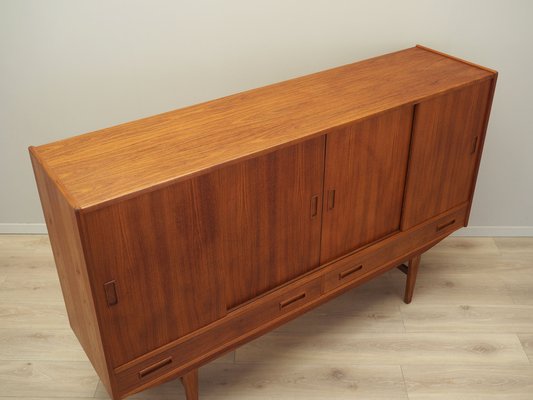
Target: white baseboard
column 23, row 229
column 39, row 229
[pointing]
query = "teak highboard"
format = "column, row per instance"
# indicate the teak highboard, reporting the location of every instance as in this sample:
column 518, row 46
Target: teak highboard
column 181, row 236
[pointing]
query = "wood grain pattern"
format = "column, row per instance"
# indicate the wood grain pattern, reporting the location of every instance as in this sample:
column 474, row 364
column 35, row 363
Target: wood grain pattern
column 447, row 289
column 527, row 344
column 14, row 314
column 182, row 236
column 157, row 250
column 447, row 133
column 119, row 161
column 194, row 263
column 365, row 170
column 62, row 224
column 282, row 381
column 30, row 343
column 481, row 141
column 262, row 315
column 362, row 348
column 43, row 378
column 473, row 383
column 302, row 382
column 468, row 318
column 269, row 233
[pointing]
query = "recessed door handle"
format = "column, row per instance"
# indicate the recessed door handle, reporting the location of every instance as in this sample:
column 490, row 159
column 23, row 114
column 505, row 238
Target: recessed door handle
column 331, row 199
column 447, row 224
column 474, row 145
column 314, row 206
column 111, row 293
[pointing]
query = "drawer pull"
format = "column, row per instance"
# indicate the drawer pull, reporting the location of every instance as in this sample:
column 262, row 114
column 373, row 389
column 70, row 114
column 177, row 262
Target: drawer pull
column 350, row 271
column 154, row 367
column 447, row 224
column 293, row 300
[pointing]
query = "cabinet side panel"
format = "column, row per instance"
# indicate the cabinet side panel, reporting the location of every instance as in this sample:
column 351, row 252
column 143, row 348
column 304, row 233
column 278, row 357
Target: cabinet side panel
column 62, row 226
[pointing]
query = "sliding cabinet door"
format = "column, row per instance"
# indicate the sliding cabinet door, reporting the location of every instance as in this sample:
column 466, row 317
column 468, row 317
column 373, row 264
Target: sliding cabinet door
column 447, row 133
column 170, row 261
column 364, row 181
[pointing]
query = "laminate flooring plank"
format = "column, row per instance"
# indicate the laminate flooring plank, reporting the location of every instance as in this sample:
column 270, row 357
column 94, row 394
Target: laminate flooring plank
column 43, row 398
column 441, row 288
column 499, row 266
column 59, row 379
column 527, row 343
column 378, row 293
column 372, row 319
column 24, row 244
column 30, row 287
column 15, row 314
column 513, row 246
column 522, row 293
column 40, row 344
column 385, row 349
column 454, row 246
column 433, row 382
column 287, row 381
column 467, row 318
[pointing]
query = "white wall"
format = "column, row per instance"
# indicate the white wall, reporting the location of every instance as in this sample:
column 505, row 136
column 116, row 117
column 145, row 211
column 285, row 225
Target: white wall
column 68, row 67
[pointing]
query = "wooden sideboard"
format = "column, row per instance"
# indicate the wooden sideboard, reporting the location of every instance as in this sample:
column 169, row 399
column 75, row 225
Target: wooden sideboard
column 181, row 236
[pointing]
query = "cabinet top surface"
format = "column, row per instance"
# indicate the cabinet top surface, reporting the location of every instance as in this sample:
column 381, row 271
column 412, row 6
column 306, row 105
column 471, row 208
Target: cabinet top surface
column 101, row 166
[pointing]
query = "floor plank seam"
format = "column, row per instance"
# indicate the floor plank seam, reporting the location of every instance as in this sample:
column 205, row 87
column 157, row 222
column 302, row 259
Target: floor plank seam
column 404, row 383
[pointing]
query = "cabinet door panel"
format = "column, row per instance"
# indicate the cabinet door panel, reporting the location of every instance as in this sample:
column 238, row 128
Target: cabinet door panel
column 278, row 198
column 178, row 257
column 446, row 137
column 365, row 175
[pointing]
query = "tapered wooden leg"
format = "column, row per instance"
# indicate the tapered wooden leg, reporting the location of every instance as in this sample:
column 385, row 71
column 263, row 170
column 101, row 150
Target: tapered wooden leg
column 412, row 270
column 190, row 383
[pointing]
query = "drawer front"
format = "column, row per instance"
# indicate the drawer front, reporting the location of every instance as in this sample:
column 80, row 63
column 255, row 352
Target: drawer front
column 439, row 227
column 259, row 316
column 354, row 267
column 236, row 328
column 350, row 268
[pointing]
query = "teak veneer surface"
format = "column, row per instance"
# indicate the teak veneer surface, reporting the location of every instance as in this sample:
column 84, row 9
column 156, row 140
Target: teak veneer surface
column 98, row 167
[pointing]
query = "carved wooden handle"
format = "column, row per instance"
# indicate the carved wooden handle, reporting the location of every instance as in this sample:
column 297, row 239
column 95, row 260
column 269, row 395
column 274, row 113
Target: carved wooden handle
column 350, row 271
column 154, row 367
column 292, row 300
column 447, row 224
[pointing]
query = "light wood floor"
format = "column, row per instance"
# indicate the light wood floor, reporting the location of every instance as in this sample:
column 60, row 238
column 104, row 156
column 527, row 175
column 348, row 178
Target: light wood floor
column 468, row 334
